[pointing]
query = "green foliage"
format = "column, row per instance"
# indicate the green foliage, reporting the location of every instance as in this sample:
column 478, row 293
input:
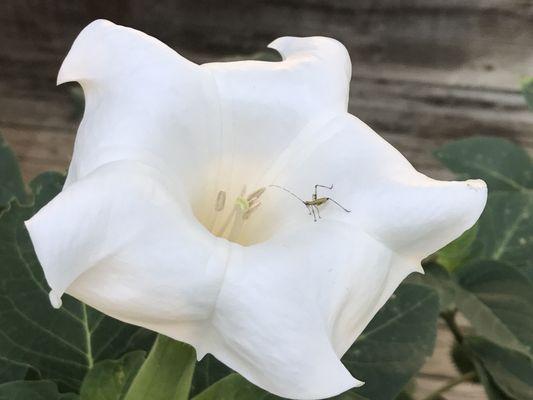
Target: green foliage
column 512, row 372
column 11, row 183
column 498, row 301
column 486, row 275
column 235, row 387
column 33, row 390
column 110, row 379
column 500, row 163
column 207, row 372
column 439, row 279
column 505, row 230
column 491, row 389
column 11, row 371
column 492, row 285
column 462, row 359
column 166, row 374
column 61, row 345
column 457, row 252
column 409, row 318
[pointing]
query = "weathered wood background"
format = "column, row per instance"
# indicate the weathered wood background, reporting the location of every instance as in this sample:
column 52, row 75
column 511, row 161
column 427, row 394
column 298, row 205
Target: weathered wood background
column 424, row 72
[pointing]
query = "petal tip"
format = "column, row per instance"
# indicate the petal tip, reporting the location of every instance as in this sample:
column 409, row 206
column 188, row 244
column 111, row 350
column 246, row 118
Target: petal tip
column 479, row 191
column 418, row 268
column 55, row 299
column 323, row 47
column 73, row 63
column 476, row 184
column 358, row 383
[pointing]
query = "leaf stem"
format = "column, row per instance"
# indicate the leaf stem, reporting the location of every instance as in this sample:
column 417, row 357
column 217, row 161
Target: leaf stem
column 452, row 383
column 449, row 318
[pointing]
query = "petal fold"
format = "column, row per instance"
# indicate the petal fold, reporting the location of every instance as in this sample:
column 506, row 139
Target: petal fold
column 143, row 102
column 409, row 212
column 161, row 137
column 121, row 240
column 290, row 307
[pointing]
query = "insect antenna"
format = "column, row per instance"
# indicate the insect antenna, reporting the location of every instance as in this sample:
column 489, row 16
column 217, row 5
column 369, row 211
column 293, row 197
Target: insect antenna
column 288, row 191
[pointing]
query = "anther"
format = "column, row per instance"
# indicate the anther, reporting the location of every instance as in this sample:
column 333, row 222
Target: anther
column 255, row 195
column 221, row 201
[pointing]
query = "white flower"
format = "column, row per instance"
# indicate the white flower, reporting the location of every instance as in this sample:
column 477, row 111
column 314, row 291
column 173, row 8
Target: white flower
column 158, row 226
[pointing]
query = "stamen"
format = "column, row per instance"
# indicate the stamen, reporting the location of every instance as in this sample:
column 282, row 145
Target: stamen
column 255, row 195
column 242, row 208
column 220, row 233
column 250, row 210
column 221, row 201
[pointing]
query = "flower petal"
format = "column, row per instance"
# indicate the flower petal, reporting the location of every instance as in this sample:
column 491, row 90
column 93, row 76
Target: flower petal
column 265, row 106
column 118, row 240
column 213, row 127
column 143, row 102
column 290, row 307
column 412, row 214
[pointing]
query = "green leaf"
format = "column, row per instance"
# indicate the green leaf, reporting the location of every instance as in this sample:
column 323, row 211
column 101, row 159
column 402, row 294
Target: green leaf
column 61, row 344
column 32, row 390
column 408, row 391
column 527, row 90
column 404, row 396
column 110, row 379
column 396, row 343
column 45, row 187
column 166, row 374
column 207, row 372
column 461, row 358
column 458, row 251
column 11, row 183
column 439, row 279
column 10, row 371
column 511, row 371
column 498, row 301
column 493, row 391
column 499, row 162
column 506, row 228
column 235, row 387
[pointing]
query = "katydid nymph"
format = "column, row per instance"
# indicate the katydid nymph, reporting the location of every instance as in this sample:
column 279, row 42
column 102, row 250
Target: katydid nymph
column 315, row 202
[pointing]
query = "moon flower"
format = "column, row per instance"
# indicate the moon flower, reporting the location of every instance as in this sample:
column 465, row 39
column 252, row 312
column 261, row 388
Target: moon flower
column 168, row 219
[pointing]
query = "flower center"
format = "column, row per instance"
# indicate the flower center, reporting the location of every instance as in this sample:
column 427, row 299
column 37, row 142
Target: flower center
column 231, row 215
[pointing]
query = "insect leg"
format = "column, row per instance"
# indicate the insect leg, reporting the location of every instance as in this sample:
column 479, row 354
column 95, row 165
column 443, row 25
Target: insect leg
column 323, row 186
column 318, row 212
column 330, row 199
column 313, row 211
column 308, row 209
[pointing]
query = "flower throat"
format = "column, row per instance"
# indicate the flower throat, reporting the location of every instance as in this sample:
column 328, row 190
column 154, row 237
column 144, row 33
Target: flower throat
column 242, row 207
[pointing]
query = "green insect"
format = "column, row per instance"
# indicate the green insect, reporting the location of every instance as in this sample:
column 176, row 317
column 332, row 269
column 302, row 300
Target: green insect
column 313, row 204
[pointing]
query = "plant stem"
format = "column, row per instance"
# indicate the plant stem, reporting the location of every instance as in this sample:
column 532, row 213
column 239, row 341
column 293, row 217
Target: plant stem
column 452, row 383
column 449, row 318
